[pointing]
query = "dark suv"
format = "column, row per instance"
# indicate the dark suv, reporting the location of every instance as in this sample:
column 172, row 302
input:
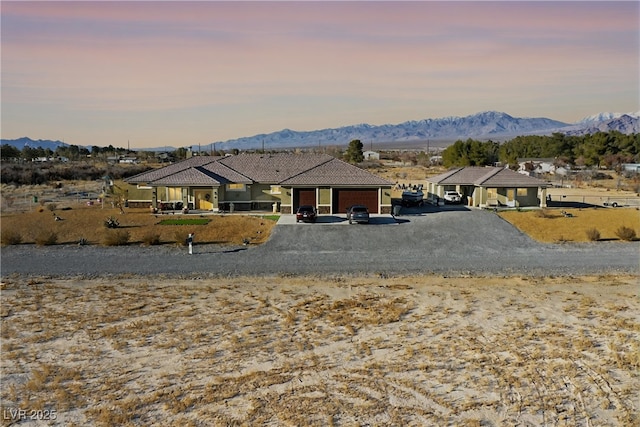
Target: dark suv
column 306, row 213
column 358, row 213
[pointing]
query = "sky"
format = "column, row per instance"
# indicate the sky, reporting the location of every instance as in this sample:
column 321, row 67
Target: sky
column 173, row 73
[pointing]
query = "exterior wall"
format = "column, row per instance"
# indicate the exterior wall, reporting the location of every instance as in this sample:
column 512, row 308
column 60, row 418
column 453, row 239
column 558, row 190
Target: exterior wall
column 385, row 200
column 286, row 200
column 531, row 199
column 323, row 197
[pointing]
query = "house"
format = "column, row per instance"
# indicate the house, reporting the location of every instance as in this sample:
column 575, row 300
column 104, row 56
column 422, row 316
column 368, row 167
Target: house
column 489, row 187
column 265, row 181
column 371, row 155
column 539, row 166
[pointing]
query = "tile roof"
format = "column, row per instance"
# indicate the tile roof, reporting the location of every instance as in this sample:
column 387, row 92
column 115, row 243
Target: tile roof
column 273, row 168
column 336, row 172
column 486, row 177
column 153, row 175
column 284, row 169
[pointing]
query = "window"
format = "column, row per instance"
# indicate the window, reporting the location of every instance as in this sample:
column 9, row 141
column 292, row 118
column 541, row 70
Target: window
column 174, row 194
column 510, row 193
column 235, row 187
column 492, row 193
column 522, row 192
column 275, row 189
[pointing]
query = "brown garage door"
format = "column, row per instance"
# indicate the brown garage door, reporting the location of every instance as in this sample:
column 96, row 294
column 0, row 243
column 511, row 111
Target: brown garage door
column 343, row 198
column 303, row 196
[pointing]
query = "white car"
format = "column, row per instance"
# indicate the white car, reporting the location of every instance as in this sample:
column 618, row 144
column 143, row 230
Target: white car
column 452, row 197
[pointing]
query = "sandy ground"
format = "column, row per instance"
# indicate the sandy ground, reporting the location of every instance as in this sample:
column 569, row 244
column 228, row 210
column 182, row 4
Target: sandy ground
column 417, row 350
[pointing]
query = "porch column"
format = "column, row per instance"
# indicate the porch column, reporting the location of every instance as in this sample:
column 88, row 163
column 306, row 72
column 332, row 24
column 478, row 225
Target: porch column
column 543, row 197
column 214, row 199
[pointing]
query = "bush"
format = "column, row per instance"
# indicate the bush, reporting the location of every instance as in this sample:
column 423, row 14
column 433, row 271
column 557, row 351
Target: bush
column 11, row 238
column 544, row 213
column 151, row 239
column 626, row 233
column 46, row 238
column 116, row 238
column 111, row 222
column 52, row 206
column 180, row 238
column 593, row 234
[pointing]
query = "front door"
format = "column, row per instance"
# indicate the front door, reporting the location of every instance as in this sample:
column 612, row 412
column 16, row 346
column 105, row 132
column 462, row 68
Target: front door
column 203, row 200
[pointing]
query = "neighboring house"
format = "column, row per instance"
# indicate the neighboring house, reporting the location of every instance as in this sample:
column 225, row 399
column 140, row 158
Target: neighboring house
column 371, row 155
column 130, row 160
column 490, row 187
column 539, row 166
column 631, row 167
column 260, row 181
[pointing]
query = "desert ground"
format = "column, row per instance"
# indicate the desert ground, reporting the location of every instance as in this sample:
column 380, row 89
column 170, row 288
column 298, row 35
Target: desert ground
column 315, row 350
column 341, row 350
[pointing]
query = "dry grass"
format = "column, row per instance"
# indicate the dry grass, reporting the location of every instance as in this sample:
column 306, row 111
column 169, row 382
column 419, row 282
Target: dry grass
column 88, row 223
column 418, row 350
column 552, row 226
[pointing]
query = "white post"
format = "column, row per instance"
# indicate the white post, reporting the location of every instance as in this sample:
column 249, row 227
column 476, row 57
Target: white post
column 190, row 242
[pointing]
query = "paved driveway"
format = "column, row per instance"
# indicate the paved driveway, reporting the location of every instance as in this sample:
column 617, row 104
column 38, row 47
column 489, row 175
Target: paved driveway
column 450, row 240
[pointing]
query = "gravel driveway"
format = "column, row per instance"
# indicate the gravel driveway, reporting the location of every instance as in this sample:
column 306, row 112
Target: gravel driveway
column 444, row 241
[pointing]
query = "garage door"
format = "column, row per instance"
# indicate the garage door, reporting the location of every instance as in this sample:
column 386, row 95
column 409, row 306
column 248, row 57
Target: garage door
column 343, row 198
column 303, row 196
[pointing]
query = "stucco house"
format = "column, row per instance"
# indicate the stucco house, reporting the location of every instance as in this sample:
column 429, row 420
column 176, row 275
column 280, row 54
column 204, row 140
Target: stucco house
column 539, row 166
column 260, row 181
column 371, row 155
column 490, row 187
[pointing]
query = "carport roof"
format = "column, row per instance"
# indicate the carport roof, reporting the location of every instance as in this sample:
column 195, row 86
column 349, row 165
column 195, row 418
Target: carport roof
column 486, row 177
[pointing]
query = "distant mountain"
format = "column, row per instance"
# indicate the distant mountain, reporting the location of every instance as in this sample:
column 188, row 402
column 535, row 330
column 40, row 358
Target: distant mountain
column 485, row 125
column 20, row 143
column 605, row 117
column 489, row 124
column 606, row 122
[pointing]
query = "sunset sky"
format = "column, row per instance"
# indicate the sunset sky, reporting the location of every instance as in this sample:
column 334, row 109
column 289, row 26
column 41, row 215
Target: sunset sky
column 156, row 74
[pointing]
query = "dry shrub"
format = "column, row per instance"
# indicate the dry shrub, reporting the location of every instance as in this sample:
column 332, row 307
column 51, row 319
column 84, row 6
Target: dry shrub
column 180, row 238
column 10, row 237
column 46, row 238
column 151, row 239
column 116, row 238
column 593, row 234
column 544, row 213
column 626, row 233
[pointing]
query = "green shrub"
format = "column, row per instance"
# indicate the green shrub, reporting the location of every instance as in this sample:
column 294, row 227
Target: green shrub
column 187, row 221
column 10, row 238
column 46, row 238
column 116, row 238
column 626, row 233
column 593, row 234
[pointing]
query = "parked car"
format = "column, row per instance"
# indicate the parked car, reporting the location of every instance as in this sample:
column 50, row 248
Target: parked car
column 452, row 197
column 306, row 213
column 358, row 214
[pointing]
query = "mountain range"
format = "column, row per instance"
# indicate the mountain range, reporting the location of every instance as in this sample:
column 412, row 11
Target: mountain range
column 486, row 125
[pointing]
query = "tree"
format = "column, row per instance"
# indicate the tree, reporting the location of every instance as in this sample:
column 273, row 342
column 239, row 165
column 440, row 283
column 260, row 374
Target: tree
column 354, row 152
column 9, row 152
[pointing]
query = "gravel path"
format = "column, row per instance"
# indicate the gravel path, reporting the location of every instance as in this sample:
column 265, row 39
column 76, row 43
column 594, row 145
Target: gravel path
column 443, row 242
